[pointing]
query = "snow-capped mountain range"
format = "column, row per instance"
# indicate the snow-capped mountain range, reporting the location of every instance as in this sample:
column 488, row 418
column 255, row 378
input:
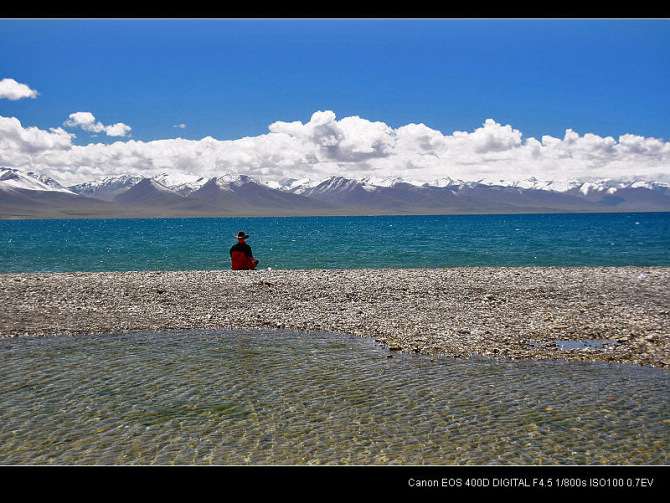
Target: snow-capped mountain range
column 29, row 194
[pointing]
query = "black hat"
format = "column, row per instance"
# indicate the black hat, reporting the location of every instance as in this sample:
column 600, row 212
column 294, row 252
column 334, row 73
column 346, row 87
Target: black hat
column 241, row 235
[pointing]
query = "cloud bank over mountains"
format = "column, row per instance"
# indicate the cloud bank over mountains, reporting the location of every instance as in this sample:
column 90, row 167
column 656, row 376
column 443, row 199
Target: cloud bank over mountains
column 325, row 146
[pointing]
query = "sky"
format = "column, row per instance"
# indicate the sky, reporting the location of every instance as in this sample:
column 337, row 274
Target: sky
column 420, row 99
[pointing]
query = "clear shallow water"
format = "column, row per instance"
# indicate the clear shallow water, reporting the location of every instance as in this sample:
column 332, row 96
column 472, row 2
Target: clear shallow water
column 281, row 397
column 640, row 239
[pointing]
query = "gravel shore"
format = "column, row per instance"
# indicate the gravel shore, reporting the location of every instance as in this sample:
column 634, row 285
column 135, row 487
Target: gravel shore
column 520, row 313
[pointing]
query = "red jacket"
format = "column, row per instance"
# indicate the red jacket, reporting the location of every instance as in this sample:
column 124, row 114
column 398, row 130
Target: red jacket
column 241, row 257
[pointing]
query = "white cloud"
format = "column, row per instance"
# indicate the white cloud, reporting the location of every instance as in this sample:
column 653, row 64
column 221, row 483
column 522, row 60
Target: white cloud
column 86, row 121
column 17, row 141
column 12, row 90
column 351, row 146
column 350, row 139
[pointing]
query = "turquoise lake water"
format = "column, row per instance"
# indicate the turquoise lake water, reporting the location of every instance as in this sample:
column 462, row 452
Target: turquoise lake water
column 618, row 239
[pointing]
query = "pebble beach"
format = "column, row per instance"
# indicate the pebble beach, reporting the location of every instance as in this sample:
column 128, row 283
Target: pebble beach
column 608, row 314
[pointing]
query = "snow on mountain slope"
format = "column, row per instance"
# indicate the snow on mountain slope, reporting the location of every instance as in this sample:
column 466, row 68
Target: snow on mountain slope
column 12, row 179
column 181, row 183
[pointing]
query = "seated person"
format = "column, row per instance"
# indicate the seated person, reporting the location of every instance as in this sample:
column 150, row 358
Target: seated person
column 240, row 254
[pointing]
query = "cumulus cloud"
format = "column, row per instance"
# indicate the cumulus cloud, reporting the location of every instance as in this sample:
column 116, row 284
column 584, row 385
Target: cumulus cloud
column 17, row 142
column 350, row 139
column 12, row 90
column 87, row 122
column 351, row 146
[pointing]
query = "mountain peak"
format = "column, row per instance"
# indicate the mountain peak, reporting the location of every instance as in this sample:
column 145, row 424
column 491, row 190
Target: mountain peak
column 234, row 179
column 148, row 191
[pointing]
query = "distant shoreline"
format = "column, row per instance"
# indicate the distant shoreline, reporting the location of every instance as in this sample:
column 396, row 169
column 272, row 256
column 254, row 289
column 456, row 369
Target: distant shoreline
column 149, row 213
column 509, row 312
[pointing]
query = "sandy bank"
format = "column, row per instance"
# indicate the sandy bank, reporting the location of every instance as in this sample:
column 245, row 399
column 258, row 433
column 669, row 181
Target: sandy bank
column 508, row 312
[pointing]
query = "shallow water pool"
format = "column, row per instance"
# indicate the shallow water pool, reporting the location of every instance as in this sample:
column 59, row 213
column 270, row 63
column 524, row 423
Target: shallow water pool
column 292, row 398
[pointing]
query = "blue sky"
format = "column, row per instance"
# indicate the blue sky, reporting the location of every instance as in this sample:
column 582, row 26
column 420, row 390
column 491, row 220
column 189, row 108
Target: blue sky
column 230, row 79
